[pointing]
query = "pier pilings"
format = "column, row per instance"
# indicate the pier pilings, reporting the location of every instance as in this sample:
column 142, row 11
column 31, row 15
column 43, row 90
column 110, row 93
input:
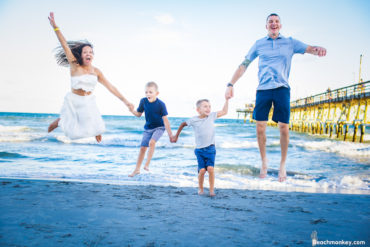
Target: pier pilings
column 341, row 114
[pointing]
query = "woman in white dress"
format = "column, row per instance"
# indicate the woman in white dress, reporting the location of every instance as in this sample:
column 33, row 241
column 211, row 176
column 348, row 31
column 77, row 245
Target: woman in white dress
column 80, row 116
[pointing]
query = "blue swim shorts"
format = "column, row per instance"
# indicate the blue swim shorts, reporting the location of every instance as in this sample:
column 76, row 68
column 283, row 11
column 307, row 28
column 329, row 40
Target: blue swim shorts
column 149, row 134
column 205, row 156
column 280, row 98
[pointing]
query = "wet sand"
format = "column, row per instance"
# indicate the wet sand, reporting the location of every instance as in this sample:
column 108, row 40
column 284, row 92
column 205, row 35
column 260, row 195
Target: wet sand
column 59, row 213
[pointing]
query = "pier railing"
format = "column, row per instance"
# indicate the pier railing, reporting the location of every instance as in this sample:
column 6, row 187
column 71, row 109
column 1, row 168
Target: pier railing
column 355, row 91
column 342, row 113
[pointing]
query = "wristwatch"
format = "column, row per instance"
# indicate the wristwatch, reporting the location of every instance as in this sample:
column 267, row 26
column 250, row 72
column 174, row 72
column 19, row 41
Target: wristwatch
column 230, row 85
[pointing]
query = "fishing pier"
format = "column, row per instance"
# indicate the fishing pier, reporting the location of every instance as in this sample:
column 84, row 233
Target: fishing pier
column 341, row 114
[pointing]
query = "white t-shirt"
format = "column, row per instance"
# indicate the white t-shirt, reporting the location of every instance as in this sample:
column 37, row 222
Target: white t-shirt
column 204, row 129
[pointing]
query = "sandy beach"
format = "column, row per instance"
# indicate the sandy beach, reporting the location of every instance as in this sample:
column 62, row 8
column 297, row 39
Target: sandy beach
column 63, row 213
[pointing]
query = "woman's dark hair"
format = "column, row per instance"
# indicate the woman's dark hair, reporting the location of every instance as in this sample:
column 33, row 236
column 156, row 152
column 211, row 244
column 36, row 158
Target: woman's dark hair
column 76, row 48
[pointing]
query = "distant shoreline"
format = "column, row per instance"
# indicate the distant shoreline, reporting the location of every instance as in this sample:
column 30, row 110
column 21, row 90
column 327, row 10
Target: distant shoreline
column 109, row 115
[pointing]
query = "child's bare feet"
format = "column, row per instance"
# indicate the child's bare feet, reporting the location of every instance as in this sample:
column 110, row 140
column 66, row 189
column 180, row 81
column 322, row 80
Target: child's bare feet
column 146, row 168
column 263, row 170
column 212, row 193
column 134, row 173
column 98, row 138
column 53, row 125
column 200, row 192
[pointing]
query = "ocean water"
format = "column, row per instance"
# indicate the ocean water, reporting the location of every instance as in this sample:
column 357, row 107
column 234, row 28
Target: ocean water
column 314, row 165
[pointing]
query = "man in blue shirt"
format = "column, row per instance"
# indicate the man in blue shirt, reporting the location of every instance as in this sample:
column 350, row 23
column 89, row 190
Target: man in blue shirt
column 275, row 55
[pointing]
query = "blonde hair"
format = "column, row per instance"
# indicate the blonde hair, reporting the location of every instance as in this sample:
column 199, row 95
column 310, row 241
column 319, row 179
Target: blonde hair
column 199, row 102
column 152, row 84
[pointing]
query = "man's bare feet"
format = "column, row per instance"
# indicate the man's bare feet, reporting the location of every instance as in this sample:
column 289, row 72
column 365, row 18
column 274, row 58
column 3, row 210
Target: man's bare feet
column 200, row 192
column 282, row 174
column 146, row 168
column 134, row 173
column 53, row 125
column 98, row 138
column 263, row 170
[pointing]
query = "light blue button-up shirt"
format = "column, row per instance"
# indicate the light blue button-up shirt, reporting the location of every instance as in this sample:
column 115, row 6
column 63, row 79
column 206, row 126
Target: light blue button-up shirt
column 275, row 57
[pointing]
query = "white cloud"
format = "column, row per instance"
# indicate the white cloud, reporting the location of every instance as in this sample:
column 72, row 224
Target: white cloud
column 163, row 36
column 165, row 19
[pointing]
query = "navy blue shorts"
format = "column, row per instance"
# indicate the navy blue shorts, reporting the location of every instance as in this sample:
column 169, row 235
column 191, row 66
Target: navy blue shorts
column 205, row 156
column 280, row 97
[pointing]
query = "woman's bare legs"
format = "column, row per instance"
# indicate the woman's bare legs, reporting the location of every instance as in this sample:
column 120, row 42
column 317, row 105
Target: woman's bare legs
column 53, row 125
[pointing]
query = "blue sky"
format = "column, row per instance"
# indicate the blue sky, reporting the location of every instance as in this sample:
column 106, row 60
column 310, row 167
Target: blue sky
column 190, row 48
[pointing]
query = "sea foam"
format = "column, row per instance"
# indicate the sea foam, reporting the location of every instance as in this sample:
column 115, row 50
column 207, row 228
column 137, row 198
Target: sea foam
column 342, row 148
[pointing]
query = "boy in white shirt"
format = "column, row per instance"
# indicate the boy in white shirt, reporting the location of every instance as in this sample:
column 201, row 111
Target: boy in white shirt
column 205, row 150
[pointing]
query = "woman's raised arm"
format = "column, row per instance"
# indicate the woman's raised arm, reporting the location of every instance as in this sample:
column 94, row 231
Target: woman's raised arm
column 112, row 88
column 71, row 58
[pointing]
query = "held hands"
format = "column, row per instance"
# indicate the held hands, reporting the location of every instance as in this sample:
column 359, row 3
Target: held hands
column 130, row 106
column 173, row 139
column 52, row 20
column 229, row 93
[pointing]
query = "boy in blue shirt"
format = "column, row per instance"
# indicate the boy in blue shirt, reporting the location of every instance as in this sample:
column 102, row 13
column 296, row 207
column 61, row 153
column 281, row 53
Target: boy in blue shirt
column 205, row 150
column 156, row 123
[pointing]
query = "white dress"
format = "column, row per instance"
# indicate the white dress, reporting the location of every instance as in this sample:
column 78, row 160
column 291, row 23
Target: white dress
column 80, row 116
